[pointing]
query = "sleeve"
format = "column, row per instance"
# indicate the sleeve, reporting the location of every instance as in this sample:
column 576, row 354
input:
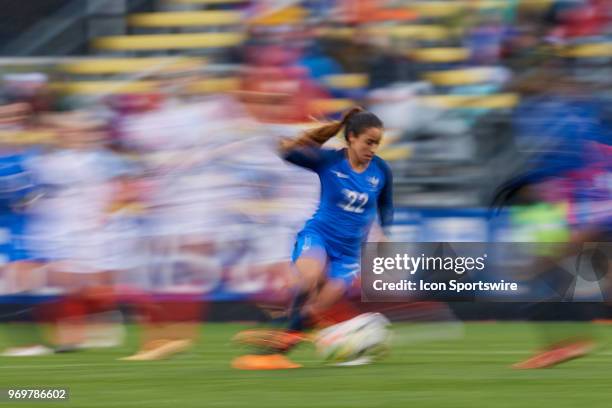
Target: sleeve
column 310, row 158
column 385, row 200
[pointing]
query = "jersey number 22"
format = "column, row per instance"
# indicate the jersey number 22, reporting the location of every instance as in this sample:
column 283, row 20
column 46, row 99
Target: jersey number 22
column 355, row 201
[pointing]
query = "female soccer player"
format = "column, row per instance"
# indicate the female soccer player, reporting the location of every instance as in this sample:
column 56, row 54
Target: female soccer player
column 356, row 186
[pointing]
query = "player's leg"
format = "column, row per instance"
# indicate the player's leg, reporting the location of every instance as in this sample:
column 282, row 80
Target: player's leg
column 24, row 334
column 330, row 305
column 170, row 327
column 309, row 261
column 310, row 272
column 87, row 315
column 321, row 308
column 563, row 343
column 321, row 288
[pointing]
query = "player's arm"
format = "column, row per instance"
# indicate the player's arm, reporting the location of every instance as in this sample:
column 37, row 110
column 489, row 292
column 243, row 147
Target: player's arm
column 307, row 157
column 304, row 150
column 385, row 202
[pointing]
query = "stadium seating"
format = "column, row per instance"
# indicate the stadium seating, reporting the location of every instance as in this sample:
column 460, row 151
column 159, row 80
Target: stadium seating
column 496, row 101
column 104, row 66
column 210, row 85
column 593, row 50
column 26, row 137
column 162, row 42
column 330, row 106
column 209, row 2
column 346, row 81
column 440, row 55
column 185, row 19
column 467, row 76
column 104, row 87
column 420, row 32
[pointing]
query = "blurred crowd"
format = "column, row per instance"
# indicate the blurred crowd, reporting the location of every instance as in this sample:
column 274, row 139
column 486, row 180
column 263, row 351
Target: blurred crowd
column 166, row 180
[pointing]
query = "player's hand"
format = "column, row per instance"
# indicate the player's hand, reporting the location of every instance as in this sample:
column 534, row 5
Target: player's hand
column 285, row 144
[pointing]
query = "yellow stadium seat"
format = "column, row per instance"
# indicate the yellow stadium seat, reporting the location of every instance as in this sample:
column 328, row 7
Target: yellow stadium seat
column 420, row 32
column 209, row 2
column 393, row 153
column 329, row 106
column 185, row 19
column 440, row 54
column 209, row 85
column 535, row 5
column 495, row 101
column 283, row 16
column 26, row 137
column 596, row 50
column 347, row 81
column 436, row 9
column 101, row 66
column 104, row 87
column 487, row 4
column 168, row 41
column 214, row 85
column 458, row 77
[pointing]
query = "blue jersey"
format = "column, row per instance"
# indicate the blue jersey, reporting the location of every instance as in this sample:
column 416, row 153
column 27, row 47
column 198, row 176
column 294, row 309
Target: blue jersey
column 16, row 181
column 17, row 186
column 350, row 201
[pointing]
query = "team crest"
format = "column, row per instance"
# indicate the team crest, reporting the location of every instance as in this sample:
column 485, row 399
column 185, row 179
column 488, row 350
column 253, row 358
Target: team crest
column 373, row 181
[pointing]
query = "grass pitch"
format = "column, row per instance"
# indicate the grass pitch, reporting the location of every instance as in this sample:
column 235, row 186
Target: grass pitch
column 429, row 366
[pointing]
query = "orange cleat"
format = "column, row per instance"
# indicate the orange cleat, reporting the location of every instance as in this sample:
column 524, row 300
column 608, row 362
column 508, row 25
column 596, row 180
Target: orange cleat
column 264, row 362
column 556, row 356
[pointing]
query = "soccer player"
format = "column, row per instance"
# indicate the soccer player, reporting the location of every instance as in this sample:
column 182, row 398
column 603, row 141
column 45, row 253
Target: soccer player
column 590, row 220
column 570, row 159
column 356, row 186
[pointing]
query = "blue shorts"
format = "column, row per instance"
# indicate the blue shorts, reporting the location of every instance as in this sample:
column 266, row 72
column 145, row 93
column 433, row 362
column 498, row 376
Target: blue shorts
column 13, row 244
column 340, row 266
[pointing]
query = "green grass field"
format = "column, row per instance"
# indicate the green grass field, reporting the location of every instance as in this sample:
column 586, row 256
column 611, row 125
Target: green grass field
column 429, row 366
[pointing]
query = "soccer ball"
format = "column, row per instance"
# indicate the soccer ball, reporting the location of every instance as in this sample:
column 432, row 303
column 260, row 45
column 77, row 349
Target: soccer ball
column 360, row 340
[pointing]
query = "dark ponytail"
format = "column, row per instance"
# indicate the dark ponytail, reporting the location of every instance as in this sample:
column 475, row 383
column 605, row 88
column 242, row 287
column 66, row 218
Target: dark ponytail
column 323, row 133
column 355, row 120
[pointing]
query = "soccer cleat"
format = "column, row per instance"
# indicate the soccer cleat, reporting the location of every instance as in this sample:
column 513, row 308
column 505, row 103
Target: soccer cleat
column 68, row 348
column 162, row 350
column 270, row 340
column 37, row 350
column 556, row 356
column 264, row 362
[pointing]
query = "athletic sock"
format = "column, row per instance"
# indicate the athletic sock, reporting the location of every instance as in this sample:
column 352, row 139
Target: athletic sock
column 296, row 317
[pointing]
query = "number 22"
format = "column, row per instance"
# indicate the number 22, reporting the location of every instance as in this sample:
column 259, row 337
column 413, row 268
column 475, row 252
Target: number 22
column 356, row 201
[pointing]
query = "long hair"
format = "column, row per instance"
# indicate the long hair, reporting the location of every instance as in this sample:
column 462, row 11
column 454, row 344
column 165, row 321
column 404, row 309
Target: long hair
column 356, row 120
column 359, row 122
